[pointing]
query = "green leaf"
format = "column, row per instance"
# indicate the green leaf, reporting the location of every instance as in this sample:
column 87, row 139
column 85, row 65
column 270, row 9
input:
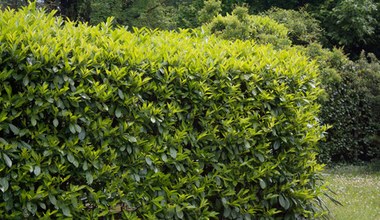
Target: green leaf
column 227, row 212
column 25, row 80
column 32, row 207
column 148, row 161
column 246, row 144
column 89, row 178
column 66, row 211
column 284, row 202
column 260, row 157
column 164, row 157
column 153, row 119
column 55, row 122
column 118, row 113
column 179, row 212
column 85, row 166
column 3, row 116
column 82, row 135
column 120, row 93
column 33, row 121
column 276, row 145
column 129, row 149
column 7, row 160
column 77, row 128
column 14, row 129
column 131, row 139
column 37, row 170
column 42, row 205
column 173, row 152
column 262, row 183
column 72, row 128
column 52, row 199
column 4, row 184
column 72, row 159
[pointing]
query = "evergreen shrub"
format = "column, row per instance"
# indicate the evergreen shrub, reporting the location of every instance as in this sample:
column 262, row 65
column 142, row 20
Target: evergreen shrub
column 243, row 26
column 101, row 122
column 352, row 108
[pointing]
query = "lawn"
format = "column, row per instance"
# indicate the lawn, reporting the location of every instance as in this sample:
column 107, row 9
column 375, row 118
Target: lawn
column 358, row 189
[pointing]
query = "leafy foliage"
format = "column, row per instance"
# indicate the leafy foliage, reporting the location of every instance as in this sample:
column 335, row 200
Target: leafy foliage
column 349, row 23
column 100, row 122
column 243, row 26
column 353, row 110
column 210, row 10
column 303, row 28
column 349, row 105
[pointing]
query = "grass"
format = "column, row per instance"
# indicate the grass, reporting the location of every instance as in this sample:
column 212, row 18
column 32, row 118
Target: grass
column 358, row 189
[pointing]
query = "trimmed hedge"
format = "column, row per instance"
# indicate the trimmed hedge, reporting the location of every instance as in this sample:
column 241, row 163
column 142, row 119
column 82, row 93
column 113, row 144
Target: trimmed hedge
column 100, row 122
column 353, row 111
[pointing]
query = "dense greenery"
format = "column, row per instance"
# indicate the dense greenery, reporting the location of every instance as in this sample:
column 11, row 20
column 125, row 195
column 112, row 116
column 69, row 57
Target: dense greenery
column 352, row 24
column 241, row 25
column 96, row 121
column 353, row 110
column 352, row 88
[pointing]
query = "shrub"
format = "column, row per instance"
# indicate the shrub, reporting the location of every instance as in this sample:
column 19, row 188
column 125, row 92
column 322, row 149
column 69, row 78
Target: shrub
column 349, row 104
column 353, row 111
column 210, row 9
column 303, row 28
column 351, row 24
column 243, row 26
column 100, row 122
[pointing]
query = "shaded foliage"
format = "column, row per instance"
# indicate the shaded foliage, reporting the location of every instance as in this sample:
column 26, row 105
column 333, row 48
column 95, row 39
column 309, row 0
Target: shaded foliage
column 353, row 110
column 303, row 28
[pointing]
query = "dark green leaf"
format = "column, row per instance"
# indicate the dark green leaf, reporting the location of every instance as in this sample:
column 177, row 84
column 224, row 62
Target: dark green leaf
column 66, row 211
column 82, row 135
column 4, row 184
column 78, row 129
column 263, row 185
column 89, row 178
column 7, row 160
column 173, row 152
column 179, row 212
column 72, row 128
column 52, row 199
column 120, row 93
column 37, row 170
column 42, row 205
column 118, row 113
column 164, row 157
column 33, row 121
column 276, row 145
column 72, row 159
column 14, row 129
column 132, row 139
column 260, row 157
column 148, row 161
column 284, row 202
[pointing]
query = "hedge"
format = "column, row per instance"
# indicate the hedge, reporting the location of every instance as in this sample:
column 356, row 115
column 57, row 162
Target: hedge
column 353, row 111
column 99, row 122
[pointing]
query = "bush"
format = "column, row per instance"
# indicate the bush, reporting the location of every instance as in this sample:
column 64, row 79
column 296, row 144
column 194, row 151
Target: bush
column 100, row 122
column 243, row 26
column 349, row 105
column 350, row 23
column 353, row 111
column 303, row 28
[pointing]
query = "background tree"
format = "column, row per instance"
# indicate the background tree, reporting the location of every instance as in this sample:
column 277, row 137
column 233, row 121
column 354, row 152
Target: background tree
column 303, row 27
column 351, row 24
